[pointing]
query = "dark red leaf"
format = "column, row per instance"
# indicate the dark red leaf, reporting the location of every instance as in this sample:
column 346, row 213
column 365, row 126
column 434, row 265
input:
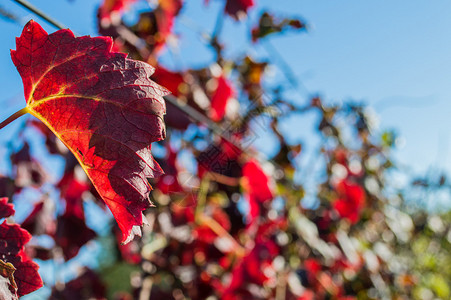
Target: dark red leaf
column 238, row 8
column 71, row 234
column 72, row 189
column 168, row 183
column 7, row 187
column 27, row 276
column 86, row 286
column 12, row 242
column 6, row 209
column 249, row 269
column 221, row 158
column 29, row 171
column 103, row 107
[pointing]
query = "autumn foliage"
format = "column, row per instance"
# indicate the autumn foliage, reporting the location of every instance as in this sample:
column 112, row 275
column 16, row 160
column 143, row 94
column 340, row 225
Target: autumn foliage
column 197, row 211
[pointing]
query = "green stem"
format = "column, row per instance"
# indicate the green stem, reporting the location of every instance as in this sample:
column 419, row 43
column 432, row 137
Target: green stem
column 14, row 116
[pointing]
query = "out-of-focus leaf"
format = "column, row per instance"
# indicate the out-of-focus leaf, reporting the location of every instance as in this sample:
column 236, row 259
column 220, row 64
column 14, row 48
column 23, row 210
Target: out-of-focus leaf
column 87, row 286
column 268, row 24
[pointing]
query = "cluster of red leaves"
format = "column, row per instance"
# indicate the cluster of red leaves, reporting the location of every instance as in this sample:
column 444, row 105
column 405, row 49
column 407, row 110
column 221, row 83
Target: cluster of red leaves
column 199, row 85
column 148, row 36
column 15, row 265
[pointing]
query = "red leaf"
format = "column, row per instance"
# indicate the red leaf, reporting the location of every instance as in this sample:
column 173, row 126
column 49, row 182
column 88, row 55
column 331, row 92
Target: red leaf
column 173, row 81
column 249, row 269
column 27, row 277
column 165, row 15
column 220, row 98
column 238, row 8
column 113, row 6
column 169, row 183
column 257, row 181
column 12, row 242
column 256, row 185
column 103, row 107
column 351, row 200
column 6, row 209
column 72, row 189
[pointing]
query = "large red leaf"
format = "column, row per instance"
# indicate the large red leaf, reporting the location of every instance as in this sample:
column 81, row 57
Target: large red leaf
column 103, row 107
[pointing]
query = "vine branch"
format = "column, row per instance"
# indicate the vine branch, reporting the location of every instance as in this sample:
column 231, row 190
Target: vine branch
column 27, row 5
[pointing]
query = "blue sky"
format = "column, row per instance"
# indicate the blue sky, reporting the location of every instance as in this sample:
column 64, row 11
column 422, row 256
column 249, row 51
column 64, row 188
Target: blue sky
column 393, row 55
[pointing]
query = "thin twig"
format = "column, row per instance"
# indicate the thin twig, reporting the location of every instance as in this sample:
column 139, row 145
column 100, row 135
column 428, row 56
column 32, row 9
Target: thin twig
column 40, row 13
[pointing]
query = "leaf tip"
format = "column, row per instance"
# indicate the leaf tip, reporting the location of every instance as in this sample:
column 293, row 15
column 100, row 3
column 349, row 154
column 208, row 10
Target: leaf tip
column 135, row 231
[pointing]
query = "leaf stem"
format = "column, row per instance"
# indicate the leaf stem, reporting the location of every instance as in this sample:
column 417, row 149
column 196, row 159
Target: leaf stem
column 14, row 116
